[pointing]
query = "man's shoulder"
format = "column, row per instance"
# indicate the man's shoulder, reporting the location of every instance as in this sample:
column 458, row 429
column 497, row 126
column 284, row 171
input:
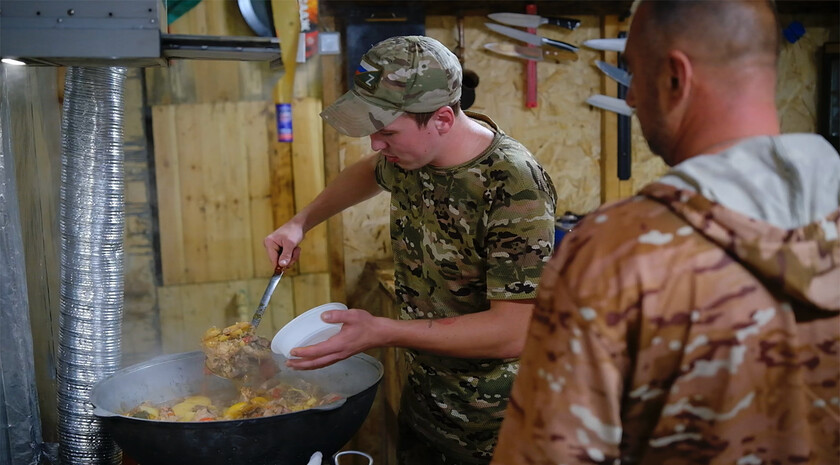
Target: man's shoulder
column 629, row 227
column 513, row 150
column 633, row 214
column 511, row 158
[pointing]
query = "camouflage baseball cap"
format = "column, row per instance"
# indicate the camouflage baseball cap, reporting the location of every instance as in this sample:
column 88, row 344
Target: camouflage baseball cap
column 414, row 74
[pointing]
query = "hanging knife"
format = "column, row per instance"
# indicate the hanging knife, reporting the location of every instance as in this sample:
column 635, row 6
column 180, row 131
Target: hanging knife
column 617, row 74
column 534, row 21
column 529, row 38
column 610, row 45
column 531, row 53
column 610, row 103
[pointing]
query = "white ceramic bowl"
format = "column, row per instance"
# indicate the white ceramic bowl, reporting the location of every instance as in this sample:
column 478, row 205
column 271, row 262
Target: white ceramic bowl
column 306, row 329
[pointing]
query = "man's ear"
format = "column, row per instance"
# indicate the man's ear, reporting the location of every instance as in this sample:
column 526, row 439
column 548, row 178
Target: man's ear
column 443, row 119
column 680, row 74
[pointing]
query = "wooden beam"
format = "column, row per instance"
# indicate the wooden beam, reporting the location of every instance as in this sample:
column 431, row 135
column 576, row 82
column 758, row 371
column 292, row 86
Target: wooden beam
column 550, row 7
column 473, row 7
column 332, row 73
column 36, row 148
column 308, row 172
column 255, row 116
column 282, row 182
column 169, row 190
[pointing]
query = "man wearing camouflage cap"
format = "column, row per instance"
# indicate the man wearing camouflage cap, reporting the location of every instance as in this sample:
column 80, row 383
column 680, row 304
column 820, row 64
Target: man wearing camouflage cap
column 472, row 223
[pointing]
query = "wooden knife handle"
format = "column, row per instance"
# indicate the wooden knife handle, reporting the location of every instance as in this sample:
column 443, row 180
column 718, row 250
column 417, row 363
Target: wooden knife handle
column 560, row 44
column 568, row 23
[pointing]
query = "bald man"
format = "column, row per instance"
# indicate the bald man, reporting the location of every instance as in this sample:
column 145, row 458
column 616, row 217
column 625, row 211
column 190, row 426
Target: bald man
column 696, row 323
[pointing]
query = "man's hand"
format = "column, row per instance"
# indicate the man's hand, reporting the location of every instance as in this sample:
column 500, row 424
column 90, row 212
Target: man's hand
column 358, row 333
column 282, row 245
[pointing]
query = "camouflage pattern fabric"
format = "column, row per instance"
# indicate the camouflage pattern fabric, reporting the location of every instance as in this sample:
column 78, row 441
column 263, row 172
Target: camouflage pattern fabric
column 413, row 74
column 463, row 236
column 670, row 330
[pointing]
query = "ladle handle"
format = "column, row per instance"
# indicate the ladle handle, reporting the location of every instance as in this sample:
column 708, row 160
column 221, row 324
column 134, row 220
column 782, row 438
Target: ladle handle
column 272, row 284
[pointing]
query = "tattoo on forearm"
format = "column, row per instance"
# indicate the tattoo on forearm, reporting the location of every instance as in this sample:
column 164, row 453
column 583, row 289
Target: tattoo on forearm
column 442, row 321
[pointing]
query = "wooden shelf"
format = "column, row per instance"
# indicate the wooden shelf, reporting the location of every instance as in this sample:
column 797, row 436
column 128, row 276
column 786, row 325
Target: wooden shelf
column 545, row 7
column 473, row 7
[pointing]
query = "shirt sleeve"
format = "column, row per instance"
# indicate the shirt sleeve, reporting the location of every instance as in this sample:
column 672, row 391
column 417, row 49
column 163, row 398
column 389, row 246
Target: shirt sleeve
column 385, row 173
column 520, row 234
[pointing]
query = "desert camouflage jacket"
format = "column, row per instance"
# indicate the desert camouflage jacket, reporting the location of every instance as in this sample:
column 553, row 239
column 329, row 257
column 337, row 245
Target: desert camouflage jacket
column 671, row 330
column 463, row 236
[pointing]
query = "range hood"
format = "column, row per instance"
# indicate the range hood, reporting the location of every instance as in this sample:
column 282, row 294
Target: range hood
column 112, row 33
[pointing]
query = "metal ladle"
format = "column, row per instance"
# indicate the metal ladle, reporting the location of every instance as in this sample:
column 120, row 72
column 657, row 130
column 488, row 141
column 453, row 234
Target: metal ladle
column 272, row 284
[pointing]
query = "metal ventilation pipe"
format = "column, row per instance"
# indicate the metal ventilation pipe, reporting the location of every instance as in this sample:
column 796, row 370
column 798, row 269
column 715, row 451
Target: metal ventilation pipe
column 92, row 222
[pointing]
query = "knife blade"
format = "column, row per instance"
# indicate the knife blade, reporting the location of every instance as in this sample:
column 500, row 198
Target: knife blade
column 529, row 38
column 534, row 21
column 531, row 53
column 606, row 102
column 610, row 45
column 617, row 74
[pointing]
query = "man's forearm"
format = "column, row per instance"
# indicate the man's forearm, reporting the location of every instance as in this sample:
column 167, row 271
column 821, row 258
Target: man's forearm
column 353, row 185
column 495, row 333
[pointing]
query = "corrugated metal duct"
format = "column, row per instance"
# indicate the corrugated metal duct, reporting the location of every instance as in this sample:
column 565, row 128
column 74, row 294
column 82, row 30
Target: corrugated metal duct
column 92, row 223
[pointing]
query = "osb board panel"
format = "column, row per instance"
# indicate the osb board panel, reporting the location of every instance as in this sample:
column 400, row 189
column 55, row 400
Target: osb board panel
column 187, row 311
column 562, row 131
column 213, row 193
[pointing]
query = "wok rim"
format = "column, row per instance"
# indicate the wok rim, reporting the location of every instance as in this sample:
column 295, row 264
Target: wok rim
column 111, row 415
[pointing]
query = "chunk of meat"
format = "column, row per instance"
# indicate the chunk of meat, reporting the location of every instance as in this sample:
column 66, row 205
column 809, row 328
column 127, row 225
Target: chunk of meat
column 236, row 352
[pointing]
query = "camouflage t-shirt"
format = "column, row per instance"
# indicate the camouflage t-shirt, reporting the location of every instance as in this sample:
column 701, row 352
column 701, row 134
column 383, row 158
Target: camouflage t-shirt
column 463, row 236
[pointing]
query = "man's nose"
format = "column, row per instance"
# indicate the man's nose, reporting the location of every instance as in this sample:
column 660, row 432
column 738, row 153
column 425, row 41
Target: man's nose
column 376, row 143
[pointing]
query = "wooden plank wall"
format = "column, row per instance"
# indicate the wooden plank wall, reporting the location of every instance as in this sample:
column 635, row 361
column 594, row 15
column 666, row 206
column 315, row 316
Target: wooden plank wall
column 192, row 308
column 35, row 137
column 224, row 183
column 212, row 167
column 331, row 71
